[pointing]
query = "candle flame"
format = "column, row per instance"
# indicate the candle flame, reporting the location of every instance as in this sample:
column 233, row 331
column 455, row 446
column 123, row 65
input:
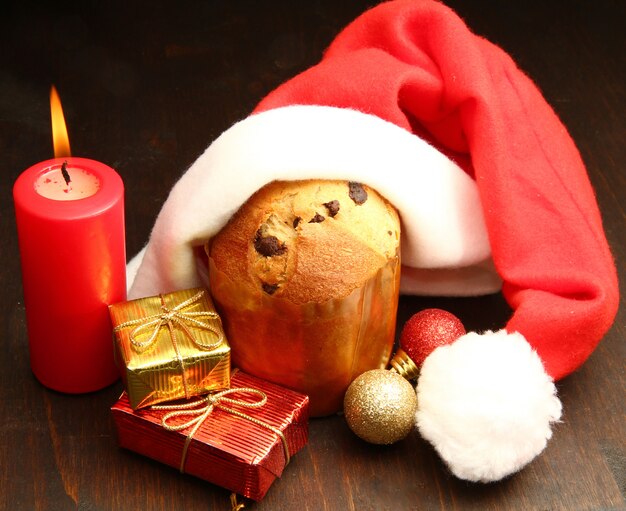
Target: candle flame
column 60, row 140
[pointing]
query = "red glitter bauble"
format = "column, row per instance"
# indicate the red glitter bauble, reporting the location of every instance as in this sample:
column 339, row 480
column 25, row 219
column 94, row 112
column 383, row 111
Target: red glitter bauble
column 427, row 330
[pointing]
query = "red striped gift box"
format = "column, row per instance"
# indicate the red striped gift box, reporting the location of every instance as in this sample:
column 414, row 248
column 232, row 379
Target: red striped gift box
column 230, row 441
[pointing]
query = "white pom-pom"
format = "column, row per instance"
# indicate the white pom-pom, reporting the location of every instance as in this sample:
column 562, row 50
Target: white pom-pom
column 486, row 404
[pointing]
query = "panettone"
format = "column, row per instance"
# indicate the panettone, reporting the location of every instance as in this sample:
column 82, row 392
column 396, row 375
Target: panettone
column 306, row 276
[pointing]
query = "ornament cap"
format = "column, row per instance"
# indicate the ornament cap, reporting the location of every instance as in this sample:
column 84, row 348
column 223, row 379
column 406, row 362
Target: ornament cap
column 402, row 364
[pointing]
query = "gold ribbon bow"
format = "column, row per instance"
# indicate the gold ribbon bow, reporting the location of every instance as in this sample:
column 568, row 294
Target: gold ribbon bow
column 198, row 410
column 168, row 317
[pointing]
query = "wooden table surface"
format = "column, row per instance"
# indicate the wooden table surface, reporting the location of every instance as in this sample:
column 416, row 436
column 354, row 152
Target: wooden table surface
column 146, row 86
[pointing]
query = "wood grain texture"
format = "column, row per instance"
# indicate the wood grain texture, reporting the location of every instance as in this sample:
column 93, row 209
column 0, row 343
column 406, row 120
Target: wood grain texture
column 146, row 86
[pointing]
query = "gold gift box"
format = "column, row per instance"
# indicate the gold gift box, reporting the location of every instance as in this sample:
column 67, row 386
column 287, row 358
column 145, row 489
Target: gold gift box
column 171, row 346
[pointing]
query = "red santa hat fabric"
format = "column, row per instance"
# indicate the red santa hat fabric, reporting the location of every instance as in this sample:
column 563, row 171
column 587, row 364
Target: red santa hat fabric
column 489, row 185
column 418, row 66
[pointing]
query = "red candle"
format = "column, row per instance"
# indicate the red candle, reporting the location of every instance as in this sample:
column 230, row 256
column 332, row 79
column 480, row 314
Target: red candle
column 70, row 222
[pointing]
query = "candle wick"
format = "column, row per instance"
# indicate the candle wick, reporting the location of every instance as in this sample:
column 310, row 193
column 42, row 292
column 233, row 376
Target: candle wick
column 66, row 177
column 65, row 173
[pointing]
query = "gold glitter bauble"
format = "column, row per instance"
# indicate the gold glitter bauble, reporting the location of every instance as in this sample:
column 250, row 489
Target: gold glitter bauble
column 380, row 407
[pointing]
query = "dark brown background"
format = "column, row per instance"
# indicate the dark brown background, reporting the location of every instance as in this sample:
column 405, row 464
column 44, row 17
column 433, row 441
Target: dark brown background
column 146, row 86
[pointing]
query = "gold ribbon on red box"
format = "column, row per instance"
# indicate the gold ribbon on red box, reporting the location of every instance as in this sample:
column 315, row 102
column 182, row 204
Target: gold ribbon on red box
column 197, row 411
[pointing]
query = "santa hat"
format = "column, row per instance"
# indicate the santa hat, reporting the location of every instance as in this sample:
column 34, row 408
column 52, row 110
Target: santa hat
column 491, row 192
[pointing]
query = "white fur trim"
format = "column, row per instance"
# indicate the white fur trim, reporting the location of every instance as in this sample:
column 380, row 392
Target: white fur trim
column 486, row 404
column 442, row 220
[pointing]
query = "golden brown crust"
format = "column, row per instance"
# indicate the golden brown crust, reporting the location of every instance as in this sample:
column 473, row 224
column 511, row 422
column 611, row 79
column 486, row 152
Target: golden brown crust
column 308, row 241
column 306, row 277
